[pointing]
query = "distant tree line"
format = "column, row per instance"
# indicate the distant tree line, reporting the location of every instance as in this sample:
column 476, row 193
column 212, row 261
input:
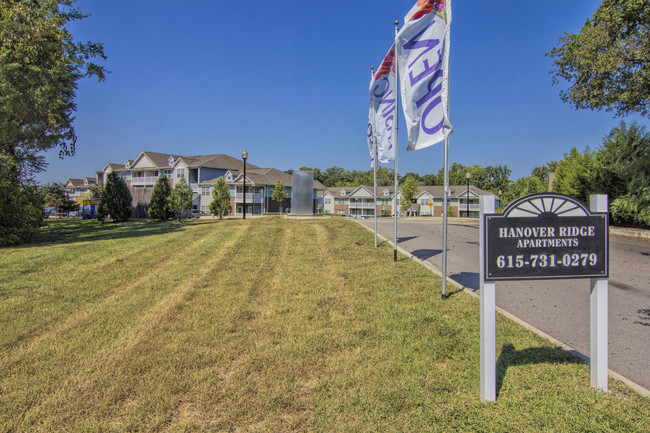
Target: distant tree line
column 619, row 167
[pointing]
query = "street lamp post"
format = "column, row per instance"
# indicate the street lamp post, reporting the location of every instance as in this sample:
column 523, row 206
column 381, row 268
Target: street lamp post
column 244, row 155
column 468, row 176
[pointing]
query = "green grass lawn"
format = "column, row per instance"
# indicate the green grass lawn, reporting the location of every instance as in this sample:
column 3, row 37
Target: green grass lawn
column 265, row 325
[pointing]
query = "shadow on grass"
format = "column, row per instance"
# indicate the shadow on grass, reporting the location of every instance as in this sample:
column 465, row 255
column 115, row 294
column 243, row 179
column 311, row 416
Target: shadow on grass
column 467, row 279
column 449, row 294
column 78, row 230
column 424, row 254
column 510, row 357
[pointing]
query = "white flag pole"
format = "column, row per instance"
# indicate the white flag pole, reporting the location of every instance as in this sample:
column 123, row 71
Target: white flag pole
column 395, row 207
column 376, row 153
column 444, row 219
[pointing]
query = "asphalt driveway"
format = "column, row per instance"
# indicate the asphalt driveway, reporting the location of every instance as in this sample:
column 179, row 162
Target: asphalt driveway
column 558, row 307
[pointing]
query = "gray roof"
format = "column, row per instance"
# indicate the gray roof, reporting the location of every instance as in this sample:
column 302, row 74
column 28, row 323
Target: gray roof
column 262, row 176
column 159, row 159
column 220, row 160
column 79, row 183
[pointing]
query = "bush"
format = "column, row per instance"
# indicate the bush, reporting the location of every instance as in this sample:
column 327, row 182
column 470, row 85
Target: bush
column 116, row 200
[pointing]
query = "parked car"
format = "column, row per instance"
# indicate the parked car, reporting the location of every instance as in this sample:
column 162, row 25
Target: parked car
column 199, row 213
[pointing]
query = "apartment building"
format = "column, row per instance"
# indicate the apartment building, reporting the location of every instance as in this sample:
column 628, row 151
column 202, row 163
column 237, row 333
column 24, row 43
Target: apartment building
column 201, row 173
column 76, row 189
column 142, row 173
column 260, row 183
column 359, row 201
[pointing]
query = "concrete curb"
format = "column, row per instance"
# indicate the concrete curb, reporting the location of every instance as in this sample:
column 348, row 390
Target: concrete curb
column 629, row 233
column 633, row 385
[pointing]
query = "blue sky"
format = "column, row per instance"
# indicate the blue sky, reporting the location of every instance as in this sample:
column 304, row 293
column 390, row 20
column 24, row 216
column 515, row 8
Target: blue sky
column 288, row 81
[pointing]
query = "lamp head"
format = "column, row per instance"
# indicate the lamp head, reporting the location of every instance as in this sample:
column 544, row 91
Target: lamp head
column 244, row 154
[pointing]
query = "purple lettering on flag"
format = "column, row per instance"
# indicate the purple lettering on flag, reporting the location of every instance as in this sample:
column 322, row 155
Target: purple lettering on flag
column 425, row 114
column 415, row 43
column 431, row 92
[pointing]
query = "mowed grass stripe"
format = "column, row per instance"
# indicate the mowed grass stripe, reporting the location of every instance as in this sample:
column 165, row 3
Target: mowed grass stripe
column 301, row 326
column 54, row 280
column 157, row 375
column 73, row 351
column 111, row 287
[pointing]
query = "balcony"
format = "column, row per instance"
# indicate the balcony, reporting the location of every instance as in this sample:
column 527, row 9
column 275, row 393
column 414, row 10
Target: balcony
column 472, row 207
column 362, row 205
column 250, row 197
column 144, row 180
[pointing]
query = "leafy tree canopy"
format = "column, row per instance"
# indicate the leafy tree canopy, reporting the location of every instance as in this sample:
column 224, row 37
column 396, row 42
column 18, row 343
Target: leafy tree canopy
column 181, row 198
column 159, row 206
column 607, row 63
column 409, row 191
column 40, row 65
column 279, row 192
column 55, row 196
column 220, row 203
column 116, row 199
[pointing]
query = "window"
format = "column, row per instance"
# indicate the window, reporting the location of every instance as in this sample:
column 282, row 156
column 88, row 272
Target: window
column 205, row 191
column 386, row 193
column 328, row 201
column 180, row 172
column 343, row 193
column 340, row 201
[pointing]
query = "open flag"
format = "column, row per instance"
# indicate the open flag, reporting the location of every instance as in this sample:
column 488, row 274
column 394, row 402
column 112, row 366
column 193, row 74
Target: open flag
column 423, row 60
column 383, row 97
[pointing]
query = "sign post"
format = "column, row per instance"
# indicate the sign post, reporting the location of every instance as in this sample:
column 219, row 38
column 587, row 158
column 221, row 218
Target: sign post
column 544, row 236
column 488, row 315
column 598, row 300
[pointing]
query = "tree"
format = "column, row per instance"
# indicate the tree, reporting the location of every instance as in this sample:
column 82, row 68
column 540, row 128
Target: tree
column 607, row 63
column 543, row 172
column 181, row 198
column 116, row 200
column 431, row 179
column 220, row 203
column 56, row 197
column 159, row 207
column 95, row 191
column 622, row 171
column 409, row 191
column 21, row 208
column 279, row 192
column 574, row 174
column 415, row 176
column 40, row 66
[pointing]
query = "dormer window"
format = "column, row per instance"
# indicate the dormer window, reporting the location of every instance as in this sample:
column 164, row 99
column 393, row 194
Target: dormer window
column 126, row 164
column 386, row 193
column 170, row 161
column 343, row 193
column 229, row 177
column 86, row 182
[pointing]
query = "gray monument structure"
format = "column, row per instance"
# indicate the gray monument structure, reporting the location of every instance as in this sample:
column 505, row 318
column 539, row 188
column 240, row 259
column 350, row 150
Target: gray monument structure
column 302, row 193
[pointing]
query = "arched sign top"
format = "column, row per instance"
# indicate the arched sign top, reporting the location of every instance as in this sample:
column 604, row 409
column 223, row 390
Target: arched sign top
column 546, row 204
